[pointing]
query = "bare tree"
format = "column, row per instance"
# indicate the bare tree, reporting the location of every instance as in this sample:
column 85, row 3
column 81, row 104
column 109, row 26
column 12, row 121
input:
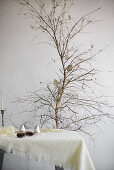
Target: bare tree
column 69, row 101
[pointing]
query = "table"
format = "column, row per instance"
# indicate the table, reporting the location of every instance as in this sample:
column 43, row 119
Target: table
column 62, row 147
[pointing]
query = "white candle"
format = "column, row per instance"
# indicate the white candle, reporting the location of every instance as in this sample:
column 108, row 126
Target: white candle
column 2, row 105
column 37, row 129
column 22, row 128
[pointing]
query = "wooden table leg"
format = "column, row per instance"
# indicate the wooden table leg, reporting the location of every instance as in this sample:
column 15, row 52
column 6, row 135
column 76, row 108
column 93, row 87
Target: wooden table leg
column 58, row 168
column 1, row 158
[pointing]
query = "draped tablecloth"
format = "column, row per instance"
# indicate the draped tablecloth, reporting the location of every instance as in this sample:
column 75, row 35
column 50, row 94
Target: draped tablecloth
column 62, row 147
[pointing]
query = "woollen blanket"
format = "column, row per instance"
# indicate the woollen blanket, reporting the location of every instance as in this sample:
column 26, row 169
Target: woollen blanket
column 62, row 147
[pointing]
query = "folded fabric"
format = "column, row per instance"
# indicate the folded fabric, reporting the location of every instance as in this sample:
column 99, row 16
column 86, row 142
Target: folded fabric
column 7, row 131
column 52, row 130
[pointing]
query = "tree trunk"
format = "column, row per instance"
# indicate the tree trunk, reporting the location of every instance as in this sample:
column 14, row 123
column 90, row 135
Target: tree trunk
column 56, row 117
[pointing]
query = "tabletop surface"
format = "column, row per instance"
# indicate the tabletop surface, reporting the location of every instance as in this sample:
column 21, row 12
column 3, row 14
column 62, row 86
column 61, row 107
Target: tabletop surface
column 61, row 147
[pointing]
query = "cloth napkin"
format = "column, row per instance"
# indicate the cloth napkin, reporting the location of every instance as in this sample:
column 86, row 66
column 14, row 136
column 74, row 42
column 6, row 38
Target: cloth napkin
column 7, row 131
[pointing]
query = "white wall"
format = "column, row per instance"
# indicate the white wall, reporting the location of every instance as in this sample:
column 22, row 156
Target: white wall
column 23, row 64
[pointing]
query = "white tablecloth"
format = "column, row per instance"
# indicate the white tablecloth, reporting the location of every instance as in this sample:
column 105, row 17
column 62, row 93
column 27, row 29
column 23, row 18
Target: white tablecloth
column 58, row 146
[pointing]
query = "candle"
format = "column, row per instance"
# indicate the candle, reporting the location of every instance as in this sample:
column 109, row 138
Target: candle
column 2, row 105
column 22, row 128
column 37, row 129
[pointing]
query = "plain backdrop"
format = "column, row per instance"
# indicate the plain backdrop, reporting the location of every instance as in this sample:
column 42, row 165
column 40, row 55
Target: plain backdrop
column 24, row 64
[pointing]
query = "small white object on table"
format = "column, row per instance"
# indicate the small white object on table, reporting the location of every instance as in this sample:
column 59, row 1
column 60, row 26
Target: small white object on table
column 61, row 147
